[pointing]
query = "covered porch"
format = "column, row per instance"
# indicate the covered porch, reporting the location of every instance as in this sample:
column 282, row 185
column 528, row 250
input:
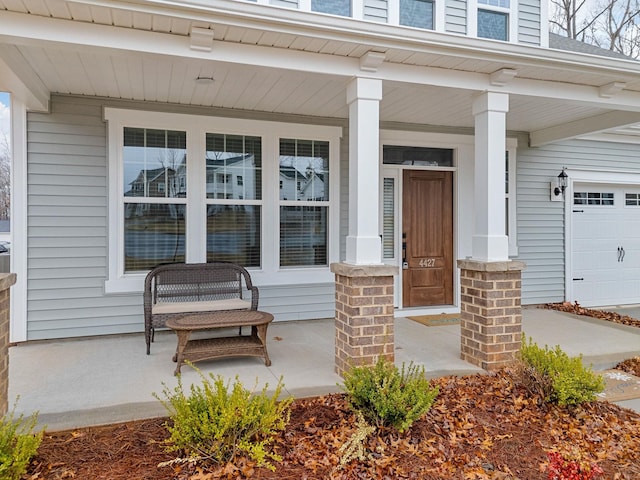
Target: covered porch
column 108, row 379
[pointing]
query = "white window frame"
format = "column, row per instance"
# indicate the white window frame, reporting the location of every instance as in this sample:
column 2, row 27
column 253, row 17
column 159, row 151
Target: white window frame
column 512, row 18
column 196, row 127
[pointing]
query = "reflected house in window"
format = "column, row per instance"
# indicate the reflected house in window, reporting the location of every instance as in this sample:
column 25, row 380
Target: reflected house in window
column 298, row 184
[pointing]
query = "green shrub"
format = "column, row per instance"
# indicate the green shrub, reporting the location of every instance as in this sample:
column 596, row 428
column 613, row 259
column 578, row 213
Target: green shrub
column 214, row 423
column 387, row 396
column 561, row 379
column 18, row 444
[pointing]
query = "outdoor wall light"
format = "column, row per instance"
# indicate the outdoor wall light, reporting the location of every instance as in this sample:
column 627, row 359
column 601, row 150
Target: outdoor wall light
column 559, row 186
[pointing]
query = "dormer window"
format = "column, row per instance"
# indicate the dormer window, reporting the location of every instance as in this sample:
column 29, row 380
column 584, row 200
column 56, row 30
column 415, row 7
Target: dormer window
column 417, row 13
column 493, row 19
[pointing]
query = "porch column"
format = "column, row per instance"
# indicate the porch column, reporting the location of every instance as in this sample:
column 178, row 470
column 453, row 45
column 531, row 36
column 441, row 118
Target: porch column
column 363, row 242
column 6, row 281
column 364, row 286
column 490, row 284
column 490, row 241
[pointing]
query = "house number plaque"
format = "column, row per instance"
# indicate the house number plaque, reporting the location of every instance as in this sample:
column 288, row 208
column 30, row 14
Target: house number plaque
column 427, row 262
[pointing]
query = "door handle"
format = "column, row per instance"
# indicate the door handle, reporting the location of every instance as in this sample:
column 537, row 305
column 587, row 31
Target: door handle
column 623, row 254
column 405, row 264
column 619, row 254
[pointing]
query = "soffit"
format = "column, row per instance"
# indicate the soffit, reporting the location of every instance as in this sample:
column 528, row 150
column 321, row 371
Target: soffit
column 102, row 72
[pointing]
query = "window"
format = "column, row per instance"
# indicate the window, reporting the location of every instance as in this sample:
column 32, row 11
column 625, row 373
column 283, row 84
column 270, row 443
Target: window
column 220, row 189
column 632, row 199
column 417, row 156
column 304, row 172
column 417, row 13
column 234, row 226
column 592, row 198
column 154, row 202
column 334, row 7
column 492, row 24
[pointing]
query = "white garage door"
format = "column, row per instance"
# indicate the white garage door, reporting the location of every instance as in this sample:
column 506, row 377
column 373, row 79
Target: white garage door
column 605, row 241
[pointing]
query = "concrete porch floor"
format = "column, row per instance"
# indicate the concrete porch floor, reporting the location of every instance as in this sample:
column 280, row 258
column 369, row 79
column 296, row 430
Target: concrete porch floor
column 92, row 381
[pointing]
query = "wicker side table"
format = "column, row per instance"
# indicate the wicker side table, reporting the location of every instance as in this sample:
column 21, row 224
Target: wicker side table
column 254, row 345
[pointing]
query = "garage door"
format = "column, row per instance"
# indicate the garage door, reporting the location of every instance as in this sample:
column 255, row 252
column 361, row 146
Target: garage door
column 605, row 241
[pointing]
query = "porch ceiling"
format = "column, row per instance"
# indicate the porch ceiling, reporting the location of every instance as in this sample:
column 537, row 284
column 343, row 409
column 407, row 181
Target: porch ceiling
column 54, row 65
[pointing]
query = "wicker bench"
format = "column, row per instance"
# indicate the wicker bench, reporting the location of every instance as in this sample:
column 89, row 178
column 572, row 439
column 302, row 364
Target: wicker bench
column 174, row 290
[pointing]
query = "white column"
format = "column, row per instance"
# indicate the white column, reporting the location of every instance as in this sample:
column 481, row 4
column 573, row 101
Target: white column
column 18, row 326
column 363, row 242
column 490, row 242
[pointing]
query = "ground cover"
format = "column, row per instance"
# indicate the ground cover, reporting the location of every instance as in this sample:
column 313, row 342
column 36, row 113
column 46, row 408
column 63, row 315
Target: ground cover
column 480, row 427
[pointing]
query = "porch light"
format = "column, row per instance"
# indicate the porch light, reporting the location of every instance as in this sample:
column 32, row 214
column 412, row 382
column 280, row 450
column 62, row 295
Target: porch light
column 562, row 182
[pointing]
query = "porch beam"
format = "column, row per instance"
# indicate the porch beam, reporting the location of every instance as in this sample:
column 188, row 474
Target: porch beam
column 24, row 29
column 489, row 241
column 17, row 77
column 596, row 124
column 364, row 246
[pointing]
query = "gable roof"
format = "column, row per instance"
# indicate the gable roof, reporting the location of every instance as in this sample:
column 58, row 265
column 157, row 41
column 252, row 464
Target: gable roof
column 569, row 44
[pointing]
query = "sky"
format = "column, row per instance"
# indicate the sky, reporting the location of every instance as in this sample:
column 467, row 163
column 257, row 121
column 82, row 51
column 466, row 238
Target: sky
column 5, row 120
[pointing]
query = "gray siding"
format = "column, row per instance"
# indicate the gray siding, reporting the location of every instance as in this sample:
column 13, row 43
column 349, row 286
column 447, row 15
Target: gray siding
column 529, row 22
column 68, row 228
column 376, row 10
column 541, row 221
column 456, row 16
column 285, row 3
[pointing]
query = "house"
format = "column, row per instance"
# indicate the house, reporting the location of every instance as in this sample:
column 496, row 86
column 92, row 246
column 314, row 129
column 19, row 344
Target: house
column 423, row 135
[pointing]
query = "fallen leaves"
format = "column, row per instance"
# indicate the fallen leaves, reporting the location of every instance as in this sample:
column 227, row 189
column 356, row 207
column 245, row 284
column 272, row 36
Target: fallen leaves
column 481, row 427
column 601, row 314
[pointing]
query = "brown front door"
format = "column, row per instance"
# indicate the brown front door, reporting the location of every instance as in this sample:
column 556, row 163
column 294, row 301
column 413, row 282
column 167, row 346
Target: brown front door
column 427, row 219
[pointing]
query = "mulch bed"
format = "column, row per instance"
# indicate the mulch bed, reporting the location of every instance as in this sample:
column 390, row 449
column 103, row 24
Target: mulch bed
column 480, row 427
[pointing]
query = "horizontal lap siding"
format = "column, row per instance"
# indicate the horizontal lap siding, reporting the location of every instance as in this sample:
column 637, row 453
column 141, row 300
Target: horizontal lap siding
column 529, row 22
column 376, row 10
column 68, row 228
column 456, row 16
column 541, row 221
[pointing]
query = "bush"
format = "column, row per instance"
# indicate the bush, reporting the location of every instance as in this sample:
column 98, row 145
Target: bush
column 561, row 379
column 18, row 444
column 571, row 466
column 214, row 423
column 387, row 396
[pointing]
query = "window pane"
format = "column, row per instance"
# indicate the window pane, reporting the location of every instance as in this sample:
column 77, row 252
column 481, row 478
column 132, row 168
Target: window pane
column 234, row 167
column 304, row 170
column 303, row 236
column 153, row 234
column 492, row 24
column 154, row 163
column 335, row 7
column 233, row 234
column 416, row 13
column 495, row 3
column 422, row 156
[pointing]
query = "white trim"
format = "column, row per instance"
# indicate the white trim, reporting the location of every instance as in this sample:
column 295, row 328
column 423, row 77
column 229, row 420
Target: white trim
column 439, row 16
column 196, row 127
column 19, row 237
column 592, row 176
column 544, row 24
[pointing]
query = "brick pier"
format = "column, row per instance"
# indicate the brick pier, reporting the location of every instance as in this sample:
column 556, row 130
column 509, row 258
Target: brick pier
column 491, row 313
column 364, row 314
column 6, row 281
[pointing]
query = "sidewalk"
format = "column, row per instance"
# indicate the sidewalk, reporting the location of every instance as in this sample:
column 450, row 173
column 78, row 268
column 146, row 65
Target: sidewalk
column 93, row 381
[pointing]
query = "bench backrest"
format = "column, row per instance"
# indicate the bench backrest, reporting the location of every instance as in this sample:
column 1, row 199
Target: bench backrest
column 190, row 282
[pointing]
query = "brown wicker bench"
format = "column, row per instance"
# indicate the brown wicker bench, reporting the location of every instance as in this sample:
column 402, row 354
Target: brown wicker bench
column 254, row 345
column 174, row 290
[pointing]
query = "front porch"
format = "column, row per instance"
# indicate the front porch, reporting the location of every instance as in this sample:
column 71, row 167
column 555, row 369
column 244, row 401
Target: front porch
column 99, row 380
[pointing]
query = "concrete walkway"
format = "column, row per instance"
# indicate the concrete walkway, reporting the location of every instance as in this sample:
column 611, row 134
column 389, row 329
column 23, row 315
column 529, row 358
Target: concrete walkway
column 93, row 381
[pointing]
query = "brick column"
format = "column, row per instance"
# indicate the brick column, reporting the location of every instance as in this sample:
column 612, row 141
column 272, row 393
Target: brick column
column 364, row 314
column 491, row 313
column 6, row 281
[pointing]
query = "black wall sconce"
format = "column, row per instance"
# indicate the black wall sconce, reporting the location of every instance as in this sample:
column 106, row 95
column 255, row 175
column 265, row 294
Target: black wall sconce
column 559, row 186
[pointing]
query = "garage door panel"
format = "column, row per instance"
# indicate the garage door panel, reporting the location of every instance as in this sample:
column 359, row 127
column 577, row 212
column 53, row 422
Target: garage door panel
column 601, row 274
